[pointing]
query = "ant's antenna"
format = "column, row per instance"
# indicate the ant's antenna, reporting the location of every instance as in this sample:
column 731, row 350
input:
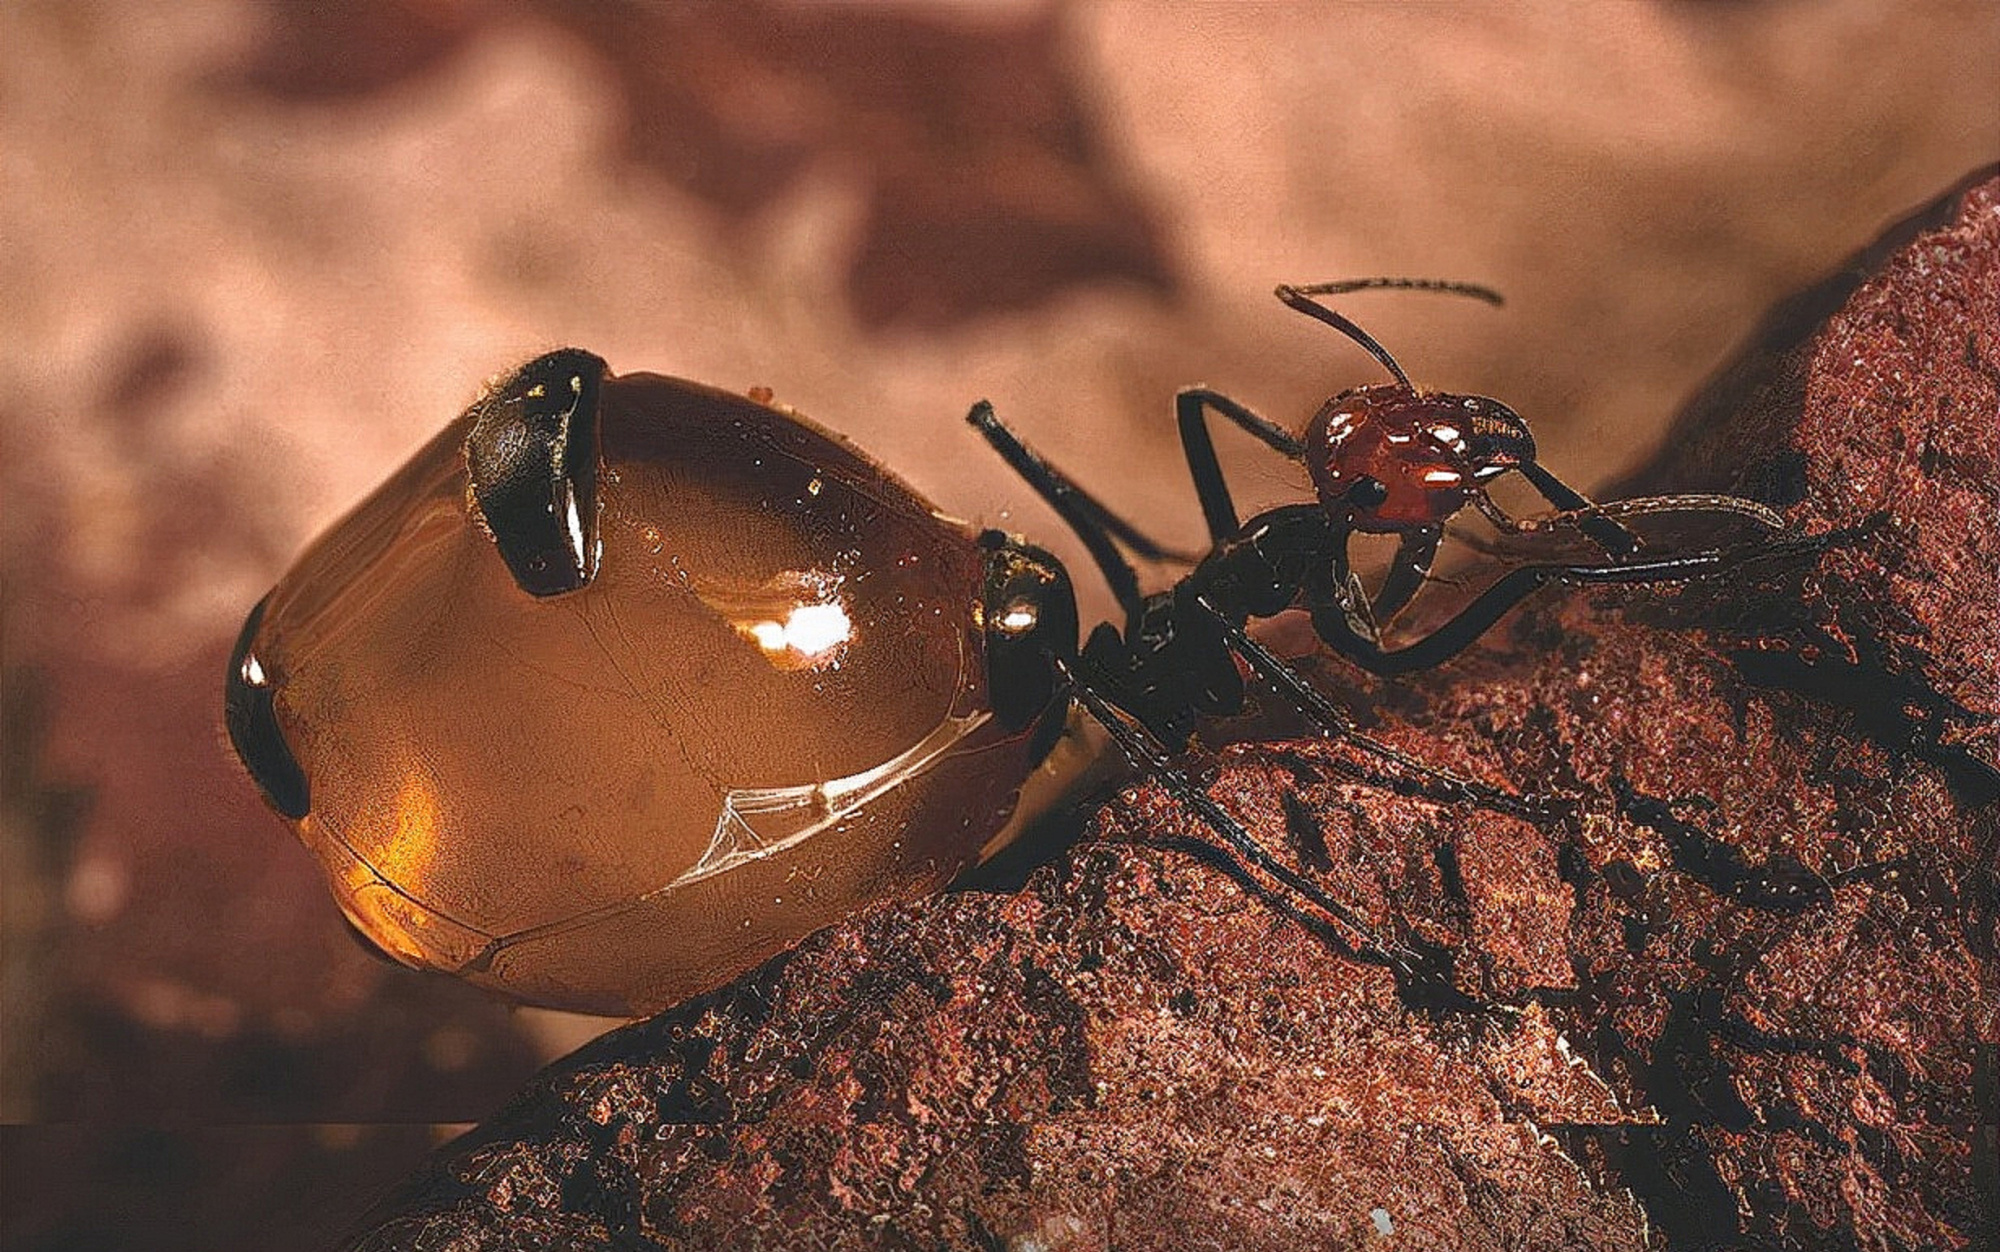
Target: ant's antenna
column 1301, row 298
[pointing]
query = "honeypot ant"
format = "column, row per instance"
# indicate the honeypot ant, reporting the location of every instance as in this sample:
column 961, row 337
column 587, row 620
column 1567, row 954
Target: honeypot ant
column 624, row 684
column 1388, row 459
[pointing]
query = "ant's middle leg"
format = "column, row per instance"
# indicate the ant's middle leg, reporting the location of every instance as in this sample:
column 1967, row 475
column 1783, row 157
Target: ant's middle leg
column 1190, row 409
column 1145, row 753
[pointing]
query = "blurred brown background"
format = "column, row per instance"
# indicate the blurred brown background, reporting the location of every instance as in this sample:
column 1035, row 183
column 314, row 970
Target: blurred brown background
column 253, row 252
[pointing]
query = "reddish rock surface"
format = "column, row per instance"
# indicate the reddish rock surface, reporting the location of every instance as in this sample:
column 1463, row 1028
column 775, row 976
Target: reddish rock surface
column 1894, row 408
column 1743, row 996
column 256, row 252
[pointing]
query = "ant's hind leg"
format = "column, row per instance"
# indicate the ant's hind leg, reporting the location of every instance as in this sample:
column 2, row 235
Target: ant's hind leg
column 1190, row 406
column 1090, row 520
column 1145, row 753
column 1010, row 447
column 1418, row 778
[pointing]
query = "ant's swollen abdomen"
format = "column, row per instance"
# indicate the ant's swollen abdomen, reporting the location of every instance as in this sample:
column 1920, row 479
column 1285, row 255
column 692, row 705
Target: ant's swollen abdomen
column 624, row 684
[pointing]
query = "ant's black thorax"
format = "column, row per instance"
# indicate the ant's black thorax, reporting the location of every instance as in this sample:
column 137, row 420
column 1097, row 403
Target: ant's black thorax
column 1173, row 665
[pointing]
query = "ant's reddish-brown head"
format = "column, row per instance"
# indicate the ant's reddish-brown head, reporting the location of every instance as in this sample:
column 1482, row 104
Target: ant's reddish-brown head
column 1388, row 459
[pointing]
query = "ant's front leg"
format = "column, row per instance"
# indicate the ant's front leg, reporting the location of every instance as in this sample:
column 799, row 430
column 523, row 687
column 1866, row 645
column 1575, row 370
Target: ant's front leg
column 1341, row 617
column 1415, row 552
column 1337, row 589
column 1607, row 534
column 1690, row 503
column 1328, row 596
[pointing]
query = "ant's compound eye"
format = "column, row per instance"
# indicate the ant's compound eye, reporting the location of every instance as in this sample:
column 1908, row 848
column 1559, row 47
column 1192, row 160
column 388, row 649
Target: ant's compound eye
column 1367, row 493
column 250, row 712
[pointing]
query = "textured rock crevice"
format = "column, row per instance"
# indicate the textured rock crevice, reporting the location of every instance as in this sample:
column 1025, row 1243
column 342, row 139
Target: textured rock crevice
column 1887, row 379
column 1744, row 995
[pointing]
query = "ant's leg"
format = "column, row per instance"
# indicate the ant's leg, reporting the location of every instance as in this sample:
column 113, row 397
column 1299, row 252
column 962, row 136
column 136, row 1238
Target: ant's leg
column 1414, row 554
column 1126, row 533
column 1342, row 592
column 1216, row 506
column 1333, row 622
column 1430, row 782
column 1606, row 533
column 1692, row 565
column 1145, row 753
column 1331, row 615
column 1085, row 516
column 1694, row 502
column 1639, row 506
